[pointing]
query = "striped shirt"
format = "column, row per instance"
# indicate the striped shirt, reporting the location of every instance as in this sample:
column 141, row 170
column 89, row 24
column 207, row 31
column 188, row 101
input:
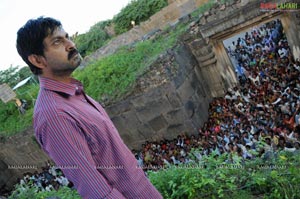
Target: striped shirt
column 76, row 132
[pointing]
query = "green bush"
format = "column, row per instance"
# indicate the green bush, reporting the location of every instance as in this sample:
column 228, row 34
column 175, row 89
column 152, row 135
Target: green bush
column 95, row 38
column 13, row 75
column 27, row 192
column 274, row 178
column 226, row 176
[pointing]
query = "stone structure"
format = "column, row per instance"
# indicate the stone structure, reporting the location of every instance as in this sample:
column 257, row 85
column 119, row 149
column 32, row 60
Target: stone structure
column 173, row 96
column 168, row 100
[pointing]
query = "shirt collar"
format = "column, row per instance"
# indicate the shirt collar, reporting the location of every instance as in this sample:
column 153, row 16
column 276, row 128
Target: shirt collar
column 75, row 87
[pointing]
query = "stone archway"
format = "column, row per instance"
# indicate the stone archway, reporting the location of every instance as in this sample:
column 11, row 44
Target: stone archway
column 221, row 23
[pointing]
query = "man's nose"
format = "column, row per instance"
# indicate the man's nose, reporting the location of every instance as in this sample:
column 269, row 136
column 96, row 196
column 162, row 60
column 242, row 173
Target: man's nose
column 70, row 45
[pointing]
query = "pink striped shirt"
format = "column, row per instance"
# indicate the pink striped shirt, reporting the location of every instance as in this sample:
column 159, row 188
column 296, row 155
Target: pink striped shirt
column 76, row 132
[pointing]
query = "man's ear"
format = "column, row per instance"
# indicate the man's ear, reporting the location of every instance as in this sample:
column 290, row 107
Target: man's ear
column 37, row 60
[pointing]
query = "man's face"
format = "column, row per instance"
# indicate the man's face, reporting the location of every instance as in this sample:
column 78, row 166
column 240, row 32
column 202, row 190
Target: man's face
column 60, row 53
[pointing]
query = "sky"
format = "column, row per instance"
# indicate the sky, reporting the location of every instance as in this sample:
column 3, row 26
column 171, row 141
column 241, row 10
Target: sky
column 75, row 16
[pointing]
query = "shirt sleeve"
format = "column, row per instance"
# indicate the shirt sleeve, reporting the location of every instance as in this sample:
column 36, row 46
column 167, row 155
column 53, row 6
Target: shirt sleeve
column 66, row 144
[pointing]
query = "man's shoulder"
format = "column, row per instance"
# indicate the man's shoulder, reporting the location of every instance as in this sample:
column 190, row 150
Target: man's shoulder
column 48, row 111
column 47, row 104
column 45, row 100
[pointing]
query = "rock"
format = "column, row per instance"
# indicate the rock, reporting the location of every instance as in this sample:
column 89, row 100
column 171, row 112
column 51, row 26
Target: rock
column 206, row 14
column 223, row 7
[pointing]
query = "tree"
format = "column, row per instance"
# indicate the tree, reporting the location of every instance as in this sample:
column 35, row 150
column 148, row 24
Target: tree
column 92, row 40
column 13, row 75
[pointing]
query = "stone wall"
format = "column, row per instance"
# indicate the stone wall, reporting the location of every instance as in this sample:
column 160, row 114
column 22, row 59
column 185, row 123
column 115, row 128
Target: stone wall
column 174, row 104
column 291, row 24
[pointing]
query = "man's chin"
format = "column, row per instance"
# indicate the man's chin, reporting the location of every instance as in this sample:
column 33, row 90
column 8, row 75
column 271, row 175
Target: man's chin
column 76, row 60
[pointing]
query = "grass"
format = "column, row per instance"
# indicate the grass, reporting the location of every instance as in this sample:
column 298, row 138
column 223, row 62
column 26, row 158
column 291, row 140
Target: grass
column 12, row 121
column 274, row 178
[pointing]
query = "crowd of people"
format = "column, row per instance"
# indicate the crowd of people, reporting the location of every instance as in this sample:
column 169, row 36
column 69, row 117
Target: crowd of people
column 257, row 117
column 51, row 178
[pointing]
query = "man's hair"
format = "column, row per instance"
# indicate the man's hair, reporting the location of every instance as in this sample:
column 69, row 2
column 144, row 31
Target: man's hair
column 30, row 38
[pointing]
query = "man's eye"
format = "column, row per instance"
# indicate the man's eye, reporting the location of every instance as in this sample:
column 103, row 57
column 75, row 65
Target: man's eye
column 56, row 42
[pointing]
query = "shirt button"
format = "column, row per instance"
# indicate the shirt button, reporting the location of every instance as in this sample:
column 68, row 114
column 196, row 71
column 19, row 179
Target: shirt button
column 77, row 92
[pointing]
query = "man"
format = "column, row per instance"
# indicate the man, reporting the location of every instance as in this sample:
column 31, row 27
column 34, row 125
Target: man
column 71, row 127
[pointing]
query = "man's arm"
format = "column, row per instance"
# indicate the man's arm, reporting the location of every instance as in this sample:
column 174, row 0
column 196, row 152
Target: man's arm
column 66, row 144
